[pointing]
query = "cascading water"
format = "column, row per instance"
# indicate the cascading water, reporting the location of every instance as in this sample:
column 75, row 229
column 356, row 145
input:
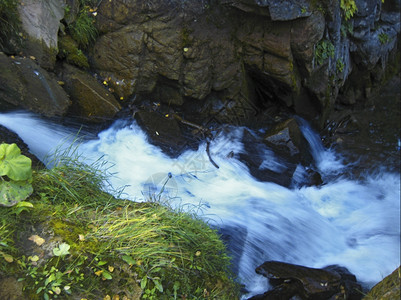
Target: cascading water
column 345, row 222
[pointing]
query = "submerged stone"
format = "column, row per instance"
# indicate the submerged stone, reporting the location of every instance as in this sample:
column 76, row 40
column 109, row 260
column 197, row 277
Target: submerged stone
column 291, row 280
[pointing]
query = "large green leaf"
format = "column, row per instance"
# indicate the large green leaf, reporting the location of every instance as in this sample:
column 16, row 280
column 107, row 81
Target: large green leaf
column 12, row 192
column 13, row 164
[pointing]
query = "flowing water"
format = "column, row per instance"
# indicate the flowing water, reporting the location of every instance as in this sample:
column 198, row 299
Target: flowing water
column 351, row 223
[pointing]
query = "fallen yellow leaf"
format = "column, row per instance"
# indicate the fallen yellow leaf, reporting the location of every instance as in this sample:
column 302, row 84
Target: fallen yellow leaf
column 37, row 240
column 8, row 258
column 34, row 258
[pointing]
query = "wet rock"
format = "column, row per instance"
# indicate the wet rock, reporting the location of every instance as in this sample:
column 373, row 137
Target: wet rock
column 287, row 290
column 314, row 178
column 161, row 131
column 90, row 100
column 23, row 83
column 291, row 280
column 263, row 163
column 350, row 288
column 371, row 134
column 287, row 138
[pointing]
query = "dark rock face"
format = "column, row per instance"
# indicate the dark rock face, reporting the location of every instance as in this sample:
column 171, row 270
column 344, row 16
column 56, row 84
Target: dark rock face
column 291, row 280
column 233, row 59
column 249, row 54
column 90, row 100
column 25, row 84
column 370, row 135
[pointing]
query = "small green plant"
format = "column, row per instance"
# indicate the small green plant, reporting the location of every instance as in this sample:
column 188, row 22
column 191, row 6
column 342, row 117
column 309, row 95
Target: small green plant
column 340, row 65
column 349, row 8
column 15, row 175
column 384, row 38
column 58, row 277
column 69, row 50
column 324, row 50
column 346, row 28
column 83, row 29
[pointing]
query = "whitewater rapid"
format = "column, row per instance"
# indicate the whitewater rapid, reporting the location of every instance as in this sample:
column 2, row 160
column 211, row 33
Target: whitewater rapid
column 351, row 223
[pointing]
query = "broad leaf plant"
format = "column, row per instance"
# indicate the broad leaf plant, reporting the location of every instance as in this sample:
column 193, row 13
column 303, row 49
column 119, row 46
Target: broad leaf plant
column 15, row 175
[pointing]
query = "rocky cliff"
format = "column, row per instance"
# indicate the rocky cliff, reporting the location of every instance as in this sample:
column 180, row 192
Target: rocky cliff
column 236, row 60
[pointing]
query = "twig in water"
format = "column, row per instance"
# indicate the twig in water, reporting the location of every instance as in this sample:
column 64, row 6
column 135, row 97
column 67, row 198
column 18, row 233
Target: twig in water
column 208, row 154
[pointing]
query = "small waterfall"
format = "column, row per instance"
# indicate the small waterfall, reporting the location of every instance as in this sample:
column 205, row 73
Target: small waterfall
column 325, row 159
column 345, row 222
column 42, row 138
column 46, row 86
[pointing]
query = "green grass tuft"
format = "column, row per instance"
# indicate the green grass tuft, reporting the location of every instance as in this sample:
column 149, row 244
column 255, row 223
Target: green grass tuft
column 83, row 29
column 97, row 245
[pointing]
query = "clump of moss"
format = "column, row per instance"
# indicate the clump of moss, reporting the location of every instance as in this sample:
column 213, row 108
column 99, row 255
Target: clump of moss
column 387, row 289
column 68, row 49
column 79, row 33
column 79, row 241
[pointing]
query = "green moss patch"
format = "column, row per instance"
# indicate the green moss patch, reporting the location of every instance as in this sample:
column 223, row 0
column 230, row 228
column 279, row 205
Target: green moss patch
column 68, row 49
column 387, row 289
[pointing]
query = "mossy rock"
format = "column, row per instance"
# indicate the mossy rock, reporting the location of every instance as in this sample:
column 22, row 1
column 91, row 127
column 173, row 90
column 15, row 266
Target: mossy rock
column 388, row 288
column 68, row 49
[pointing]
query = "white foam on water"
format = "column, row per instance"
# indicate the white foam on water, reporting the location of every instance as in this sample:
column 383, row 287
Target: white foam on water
column 344, row 222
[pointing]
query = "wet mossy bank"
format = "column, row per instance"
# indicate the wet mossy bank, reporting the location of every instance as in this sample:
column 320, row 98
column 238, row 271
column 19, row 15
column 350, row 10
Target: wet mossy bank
column 71, row 240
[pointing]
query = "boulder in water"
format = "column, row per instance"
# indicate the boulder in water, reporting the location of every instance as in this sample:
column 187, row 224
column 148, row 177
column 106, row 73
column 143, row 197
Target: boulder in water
column 287, row 138
column 162, row 131
column 265, row 165
column 291, row 280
